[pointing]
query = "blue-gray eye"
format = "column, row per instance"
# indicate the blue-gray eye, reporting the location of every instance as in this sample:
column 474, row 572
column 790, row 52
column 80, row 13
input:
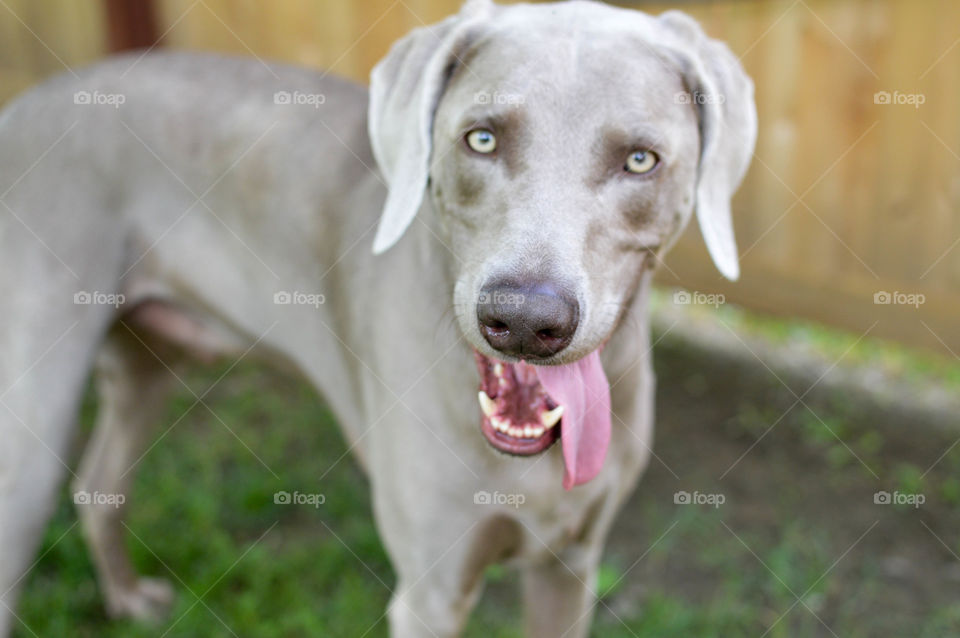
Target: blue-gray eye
column 482, row 141
column 641, row 162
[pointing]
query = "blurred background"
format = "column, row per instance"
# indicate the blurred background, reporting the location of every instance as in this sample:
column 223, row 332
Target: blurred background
column 825, row 378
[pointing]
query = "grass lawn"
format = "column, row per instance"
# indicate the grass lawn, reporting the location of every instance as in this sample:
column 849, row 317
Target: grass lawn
column 798, row 549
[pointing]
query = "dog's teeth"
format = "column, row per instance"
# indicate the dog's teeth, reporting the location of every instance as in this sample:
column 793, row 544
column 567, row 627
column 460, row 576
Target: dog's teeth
column 498, row 369
column 486, row 403
column 538, row 432
column 515, row 432
column 551, row 418
column 528, row 432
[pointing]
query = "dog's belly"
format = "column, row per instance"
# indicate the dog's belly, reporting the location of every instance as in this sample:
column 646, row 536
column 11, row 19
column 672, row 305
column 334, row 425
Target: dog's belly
column 199, row 336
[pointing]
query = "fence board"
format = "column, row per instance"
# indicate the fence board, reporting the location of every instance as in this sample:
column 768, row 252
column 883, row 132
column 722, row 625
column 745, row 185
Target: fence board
column 41, row 37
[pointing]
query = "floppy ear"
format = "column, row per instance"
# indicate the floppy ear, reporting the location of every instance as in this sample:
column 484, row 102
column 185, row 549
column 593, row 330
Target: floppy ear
column 405, row 88
column 723, row 95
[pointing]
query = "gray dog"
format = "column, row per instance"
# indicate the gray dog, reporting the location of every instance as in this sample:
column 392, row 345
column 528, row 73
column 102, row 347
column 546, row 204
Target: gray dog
column 535, row 163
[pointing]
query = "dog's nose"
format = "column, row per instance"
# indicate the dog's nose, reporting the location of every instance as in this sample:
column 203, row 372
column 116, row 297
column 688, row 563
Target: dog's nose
column 531, row 320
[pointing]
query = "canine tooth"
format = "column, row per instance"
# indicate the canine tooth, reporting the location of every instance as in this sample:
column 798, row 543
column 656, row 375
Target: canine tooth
column 551, row 418
column 498, row 369
column 486, row 403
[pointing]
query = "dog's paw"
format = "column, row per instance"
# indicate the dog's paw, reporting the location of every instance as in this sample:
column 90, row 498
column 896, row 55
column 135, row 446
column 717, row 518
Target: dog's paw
column 149, row 600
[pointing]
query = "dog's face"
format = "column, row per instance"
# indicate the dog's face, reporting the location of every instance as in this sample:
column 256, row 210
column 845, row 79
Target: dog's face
column 559, row 172
column 562, row 148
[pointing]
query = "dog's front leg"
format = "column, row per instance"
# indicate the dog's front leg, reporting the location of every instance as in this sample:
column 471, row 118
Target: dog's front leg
column 422, row 609
column 439, row 545
column 439, row 583
column 559, row 595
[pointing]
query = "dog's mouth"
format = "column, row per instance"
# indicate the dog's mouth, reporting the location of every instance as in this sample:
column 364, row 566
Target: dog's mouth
column 525, row 409
column 518, row 416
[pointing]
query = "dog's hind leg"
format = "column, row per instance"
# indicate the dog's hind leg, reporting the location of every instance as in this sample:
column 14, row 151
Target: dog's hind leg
column 133, row 380
column 45, row 365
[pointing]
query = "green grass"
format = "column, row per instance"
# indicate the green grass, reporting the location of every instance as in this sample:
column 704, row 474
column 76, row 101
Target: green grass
column 202, row 500
column 203, row 515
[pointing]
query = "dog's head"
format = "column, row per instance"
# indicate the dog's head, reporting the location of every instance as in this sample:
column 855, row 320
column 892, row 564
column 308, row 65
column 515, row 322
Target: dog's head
column 563, row 148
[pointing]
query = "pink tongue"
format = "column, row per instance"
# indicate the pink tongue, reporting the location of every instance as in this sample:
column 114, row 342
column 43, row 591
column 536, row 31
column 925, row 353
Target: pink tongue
column 583, row 391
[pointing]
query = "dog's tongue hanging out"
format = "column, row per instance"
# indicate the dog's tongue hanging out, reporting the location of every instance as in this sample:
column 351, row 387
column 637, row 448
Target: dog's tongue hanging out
column 583, row 391
column 524, row 406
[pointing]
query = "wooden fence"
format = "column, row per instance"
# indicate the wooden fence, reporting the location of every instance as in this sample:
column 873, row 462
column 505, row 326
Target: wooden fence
column 846, row 198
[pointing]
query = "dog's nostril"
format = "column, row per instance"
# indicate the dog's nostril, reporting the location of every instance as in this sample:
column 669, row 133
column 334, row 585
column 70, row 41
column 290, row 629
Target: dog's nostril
column 547, row 335
column 496, row 326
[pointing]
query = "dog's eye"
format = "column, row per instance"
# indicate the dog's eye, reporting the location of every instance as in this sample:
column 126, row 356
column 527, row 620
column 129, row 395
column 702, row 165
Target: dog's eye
column 641, row 162
column 482, row 141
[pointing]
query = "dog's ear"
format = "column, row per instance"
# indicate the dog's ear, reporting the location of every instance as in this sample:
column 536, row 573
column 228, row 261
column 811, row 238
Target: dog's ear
column 723, row 94
column 405, row 88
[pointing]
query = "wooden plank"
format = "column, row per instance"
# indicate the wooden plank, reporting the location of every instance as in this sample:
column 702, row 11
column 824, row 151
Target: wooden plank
column 130, row 25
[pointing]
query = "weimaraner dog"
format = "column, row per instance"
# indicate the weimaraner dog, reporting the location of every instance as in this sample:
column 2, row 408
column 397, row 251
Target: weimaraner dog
column 528, row 167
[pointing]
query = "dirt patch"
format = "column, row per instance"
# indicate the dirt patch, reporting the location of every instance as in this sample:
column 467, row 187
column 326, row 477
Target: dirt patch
column 801, row 472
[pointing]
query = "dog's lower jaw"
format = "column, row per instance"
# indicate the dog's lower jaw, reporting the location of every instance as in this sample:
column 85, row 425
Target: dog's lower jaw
column 517, row 415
